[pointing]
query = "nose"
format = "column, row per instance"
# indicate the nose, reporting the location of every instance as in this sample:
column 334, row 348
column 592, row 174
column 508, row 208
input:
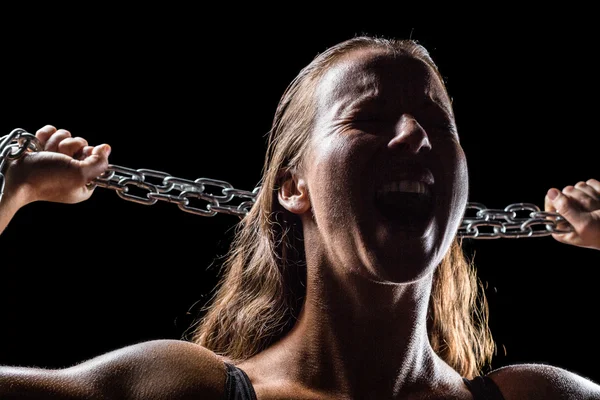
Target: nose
column 410, row 136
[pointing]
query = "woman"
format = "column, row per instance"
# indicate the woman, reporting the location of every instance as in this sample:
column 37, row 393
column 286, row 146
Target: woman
column 346, row 280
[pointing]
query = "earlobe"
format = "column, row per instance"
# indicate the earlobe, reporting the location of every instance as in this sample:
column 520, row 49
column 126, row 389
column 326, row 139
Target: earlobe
column 293, row 194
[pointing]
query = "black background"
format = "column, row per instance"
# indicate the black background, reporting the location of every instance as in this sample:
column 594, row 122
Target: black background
column 172, row 95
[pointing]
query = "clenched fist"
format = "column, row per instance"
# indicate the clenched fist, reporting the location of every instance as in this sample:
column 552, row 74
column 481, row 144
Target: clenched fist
column 580, row 205
column 58, row 173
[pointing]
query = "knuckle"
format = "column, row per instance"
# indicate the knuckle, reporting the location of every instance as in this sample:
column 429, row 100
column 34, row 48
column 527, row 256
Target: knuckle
column 562, row 203
column 81, row 140
column 587, row 202
column 65, row 145
column 63, row 132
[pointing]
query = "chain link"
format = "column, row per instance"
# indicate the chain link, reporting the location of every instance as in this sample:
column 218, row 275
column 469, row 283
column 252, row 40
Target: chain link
column 217, row 196
column 214, row 195
column 13, row 146
column 518, row 220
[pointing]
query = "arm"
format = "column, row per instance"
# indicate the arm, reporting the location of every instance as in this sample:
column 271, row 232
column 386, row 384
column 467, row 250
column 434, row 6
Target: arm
column 543, row 382
column 8, row 209
column 59, row 173
column 153, row 370
column 580, row 205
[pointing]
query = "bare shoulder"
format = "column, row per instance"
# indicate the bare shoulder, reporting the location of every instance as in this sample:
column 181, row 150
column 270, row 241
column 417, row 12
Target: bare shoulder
column 152, row 370
column 540, row 381
column 157, row 369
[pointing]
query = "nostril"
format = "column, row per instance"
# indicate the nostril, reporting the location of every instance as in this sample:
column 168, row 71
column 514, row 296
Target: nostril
column 425, row 146
column 403, row 146
column 410, row 143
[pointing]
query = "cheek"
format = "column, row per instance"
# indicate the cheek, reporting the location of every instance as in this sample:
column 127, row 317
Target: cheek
column 458, row 176
column 451, row 166
column 461, row 178
column 336, row 171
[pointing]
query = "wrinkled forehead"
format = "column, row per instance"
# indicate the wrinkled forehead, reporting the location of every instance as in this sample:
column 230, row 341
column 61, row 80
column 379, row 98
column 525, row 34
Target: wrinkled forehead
column 379, row 74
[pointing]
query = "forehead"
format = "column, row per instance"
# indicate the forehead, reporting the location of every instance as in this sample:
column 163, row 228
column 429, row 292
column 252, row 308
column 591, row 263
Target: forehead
column 379, row 74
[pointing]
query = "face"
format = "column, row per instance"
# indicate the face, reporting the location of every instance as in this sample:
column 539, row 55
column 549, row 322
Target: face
column 386, row 175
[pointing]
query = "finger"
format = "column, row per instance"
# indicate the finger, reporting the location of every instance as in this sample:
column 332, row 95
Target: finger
column 96, row 163
column 581, row 196
column 548, row 200
column 44, row 133
column 55, row 139
column 588, row 190
column 593, row 183
column 85, row 152
column 566, row 206
column 72, row 147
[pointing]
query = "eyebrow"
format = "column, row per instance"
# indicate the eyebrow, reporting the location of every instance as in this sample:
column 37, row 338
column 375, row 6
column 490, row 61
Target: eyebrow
column 371, row 99
column 439, row 103
column 354, row 103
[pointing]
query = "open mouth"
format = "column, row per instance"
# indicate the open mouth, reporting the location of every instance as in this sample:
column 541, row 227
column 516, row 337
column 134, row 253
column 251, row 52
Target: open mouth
column 407, row 202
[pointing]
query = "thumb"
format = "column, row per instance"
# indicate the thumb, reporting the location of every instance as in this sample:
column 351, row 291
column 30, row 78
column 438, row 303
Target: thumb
column 97, row 162
column 556, row 201
column 102, row 150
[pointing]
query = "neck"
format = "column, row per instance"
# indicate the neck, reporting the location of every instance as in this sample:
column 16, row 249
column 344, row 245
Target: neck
column 359, row 339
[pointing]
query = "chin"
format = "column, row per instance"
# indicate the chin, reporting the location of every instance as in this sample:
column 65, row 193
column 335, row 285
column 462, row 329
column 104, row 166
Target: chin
column 400, row 267
column 406, row 276
column 406, row 255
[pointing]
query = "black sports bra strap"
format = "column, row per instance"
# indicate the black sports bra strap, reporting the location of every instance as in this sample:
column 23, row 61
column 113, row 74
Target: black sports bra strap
column 238, row 385
column 483, row 388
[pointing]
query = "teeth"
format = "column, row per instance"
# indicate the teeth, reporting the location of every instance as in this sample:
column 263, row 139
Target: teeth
column 404, row 187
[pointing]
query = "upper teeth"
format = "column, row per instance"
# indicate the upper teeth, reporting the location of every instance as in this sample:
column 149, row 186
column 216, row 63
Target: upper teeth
column 404, row 186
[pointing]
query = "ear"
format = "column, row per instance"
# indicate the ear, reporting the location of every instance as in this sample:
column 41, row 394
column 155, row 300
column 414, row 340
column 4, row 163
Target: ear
column 293, row 194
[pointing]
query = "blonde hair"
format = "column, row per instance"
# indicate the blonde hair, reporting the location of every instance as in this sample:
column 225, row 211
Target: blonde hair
column 262, row 286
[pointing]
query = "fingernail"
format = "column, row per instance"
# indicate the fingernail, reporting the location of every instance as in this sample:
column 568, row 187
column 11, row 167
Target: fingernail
column 107, row 150
column 552, row 194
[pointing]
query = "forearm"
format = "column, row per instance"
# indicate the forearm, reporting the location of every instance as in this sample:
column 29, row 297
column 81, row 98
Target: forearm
column 17, row 193
column 8, row 209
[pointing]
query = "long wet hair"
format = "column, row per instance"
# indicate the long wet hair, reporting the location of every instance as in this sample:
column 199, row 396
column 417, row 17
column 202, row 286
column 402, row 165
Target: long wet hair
column 262, row 286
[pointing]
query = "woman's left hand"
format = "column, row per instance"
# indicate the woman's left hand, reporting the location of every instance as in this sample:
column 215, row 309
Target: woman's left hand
column 580, row 206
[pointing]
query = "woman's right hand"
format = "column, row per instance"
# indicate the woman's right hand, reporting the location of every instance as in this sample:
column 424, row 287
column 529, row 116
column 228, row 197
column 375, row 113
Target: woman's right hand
column 58, row 173
column 579, row 204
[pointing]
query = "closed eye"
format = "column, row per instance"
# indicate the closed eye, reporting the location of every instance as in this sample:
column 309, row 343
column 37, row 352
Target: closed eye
column 366, row 118
column 444, row 127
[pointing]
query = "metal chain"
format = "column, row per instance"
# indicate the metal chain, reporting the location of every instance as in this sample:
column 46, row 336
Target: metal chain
column 13, row 146
column 123, row 180
column 506, row 223
column 486, row 223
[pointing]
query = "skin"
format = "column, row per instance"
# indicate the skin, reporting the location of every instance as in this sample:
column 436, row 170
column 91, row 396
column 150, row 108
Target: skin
column 355, row 294
column 150, row 370
column 57, row 174
column 357, row 291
